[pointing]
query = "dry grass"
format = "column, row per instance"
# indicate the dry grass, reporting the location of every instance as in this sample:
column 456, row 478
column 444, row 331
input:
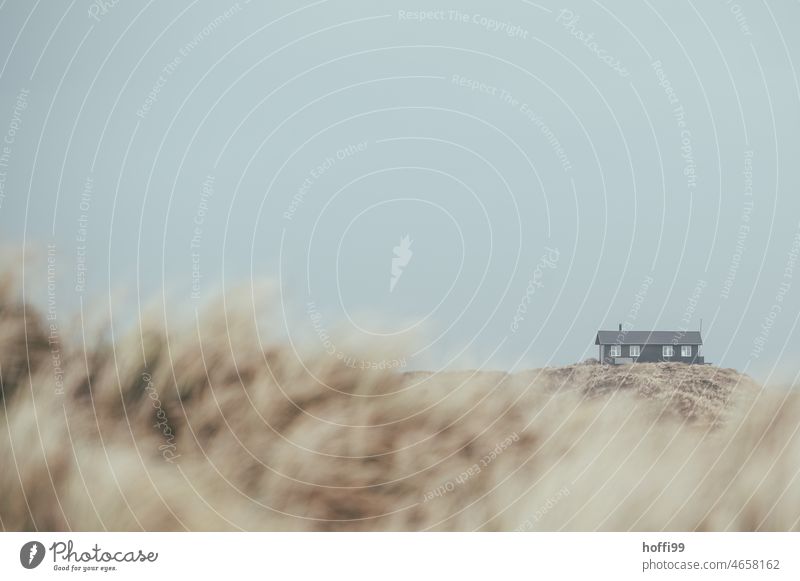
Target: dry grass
column 261, row 441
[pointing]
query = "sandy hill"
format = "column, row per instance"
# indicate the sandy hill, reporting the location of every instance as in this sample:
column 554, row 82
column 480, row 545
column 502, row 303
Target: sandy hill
column 219, row 429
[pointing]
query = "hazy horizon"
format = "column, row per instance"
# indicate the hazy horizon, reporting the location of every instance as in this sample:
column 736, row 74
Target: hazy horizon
column 485, row 186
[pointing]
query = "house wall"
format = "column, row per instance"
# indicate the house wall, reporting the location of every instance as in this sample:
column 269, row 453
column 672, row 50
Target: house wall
column 651, row 354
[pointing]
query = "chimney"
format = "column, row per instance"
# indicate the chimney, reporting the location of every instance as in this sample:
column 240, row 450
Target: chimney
column 620, row 327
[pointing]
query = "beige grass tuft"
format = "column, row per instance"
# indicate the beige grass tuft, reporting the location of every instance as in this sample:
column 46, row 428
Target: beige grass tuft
column 261, row 441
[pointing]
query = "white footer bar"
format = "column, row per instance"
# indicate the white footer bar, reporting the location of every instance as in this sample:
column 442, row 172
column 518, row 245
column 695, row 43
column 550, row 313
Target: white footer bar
column 401, row 556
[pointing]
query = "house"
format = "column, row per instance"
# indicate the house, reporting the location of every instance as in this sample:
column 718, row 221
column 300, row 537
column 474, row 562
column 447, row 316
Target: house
column 620, row 347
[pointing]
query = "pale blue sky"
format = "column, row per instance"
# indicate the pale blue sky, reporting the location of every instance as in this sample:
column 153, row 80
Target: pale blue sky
column 333, row 129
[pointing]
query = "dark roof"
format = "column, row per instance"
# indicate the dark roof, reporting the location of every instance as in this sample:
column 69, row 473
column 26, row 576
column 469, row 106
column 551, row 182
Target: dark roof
column 648, row 338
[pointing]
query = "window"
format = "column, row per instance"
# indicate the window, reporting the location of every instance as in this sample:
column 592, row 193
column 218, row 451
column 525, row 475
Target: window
column 667, row 351
column 635, row 350
column 616, row 351
column 686, row 350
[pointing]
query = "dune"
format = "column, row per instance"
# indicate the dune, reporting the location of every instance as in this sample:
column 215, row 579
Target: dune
column 215, row 425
